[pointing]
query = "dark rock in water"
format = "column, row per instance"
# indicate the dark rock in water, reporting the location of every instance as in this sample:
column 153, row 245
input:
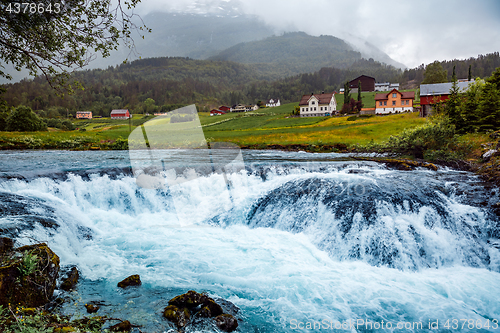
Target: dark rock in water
column 70, row 282
column 124, row 326
column 6, row 245
column 190, row 299
column 91, row 308
column 227, row 307
column 226, row 322
column 133, row 280
column 179, row 316
column 210, row 309
column 29, row 277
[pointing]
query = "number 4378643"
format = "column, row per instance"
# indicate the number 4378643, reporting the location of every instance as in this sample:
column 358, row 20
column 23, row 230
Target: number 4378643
column 32, row 8
column 462, row 324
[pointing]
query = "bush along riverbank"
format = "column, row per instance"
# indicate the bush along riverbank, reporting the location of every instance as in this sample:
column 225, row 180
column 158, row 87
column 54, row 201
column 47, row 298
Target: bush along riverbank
column 29, row 275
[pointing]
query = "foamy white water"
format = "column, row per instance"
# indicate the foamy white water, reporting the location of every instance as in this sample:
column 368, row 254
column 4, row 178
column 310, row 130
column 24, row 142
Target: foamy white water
column 289, row 243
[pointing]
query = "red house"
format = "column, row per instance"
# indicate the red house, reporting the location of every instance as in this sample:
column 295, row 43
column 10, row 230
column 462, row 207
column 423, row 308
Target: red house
column 225, row 108
column 431, row 94
column 120, row 114
column 216, row 112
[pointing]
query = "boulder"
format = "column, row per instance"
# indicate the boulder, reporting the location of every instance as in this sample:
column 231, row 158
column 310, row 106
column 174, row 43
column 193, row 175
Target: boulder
column 71, row 280
column 6, row 245
column 490, row 153
column 91, row 308
column 124, row 326
column 179, row 316
column 28, row 276
column 133, row 280
column 210, row 309
column 226, row 322
column 191, row 299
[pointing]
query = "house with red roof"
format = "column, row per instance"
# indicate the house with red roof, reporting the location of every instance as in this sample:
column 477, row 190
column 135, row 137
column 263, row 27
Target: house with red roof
column 120, row 114
column 215, row 112
column 394, row 102
column 318, row 105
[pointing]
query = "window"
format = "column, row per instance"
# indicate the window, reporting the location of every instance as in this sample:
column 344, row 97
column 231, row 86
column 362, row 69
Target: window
column 380, row 103
column 394, row 95
column 321, row 108
column 314, row 108
column 393, row 103
column 307, row 109
column 313, row 102
column 385, row 102
column 407, row 102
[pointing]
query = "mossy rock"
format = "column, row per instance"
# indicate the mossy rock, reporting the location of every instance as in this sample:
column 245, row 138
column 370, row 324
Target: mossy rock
column 71, row 280
column 91, row 308
column 133, row 280
column 179, row 316
column 124, row 326
column 210, row 309
column 190, row 299
column 29, row 279
column 226, row 322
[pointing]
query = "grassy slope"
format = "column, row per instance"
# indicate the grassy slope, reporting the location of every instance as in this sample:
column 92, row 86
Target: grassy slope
column 262, row 127
column 275, row 128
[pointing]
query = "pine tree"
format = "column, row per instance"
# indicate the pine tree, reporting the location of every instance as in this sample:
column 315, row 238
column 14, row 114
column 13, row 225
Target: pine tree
column 453, row 104
column 470, row 73
column 359, row 105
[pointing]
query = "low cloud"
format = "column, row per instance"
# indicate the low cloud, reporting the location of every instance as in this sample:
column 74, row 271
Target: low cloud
column 411, row 32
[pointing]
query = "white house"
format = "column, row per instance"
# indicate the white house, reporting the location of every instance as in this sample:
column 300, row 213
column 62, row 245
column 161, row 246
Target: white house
column 273, row 102
column 318, row 105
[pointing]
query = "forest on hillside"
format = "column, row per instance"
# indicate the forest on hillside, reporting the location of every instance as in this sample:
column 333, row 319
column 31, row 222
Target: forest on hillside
column 164, row 82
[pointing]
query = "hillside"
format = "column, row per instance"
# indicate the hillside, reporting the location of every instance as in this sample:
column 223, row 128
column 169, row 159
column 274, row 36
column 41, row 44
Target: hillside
column 299, row 51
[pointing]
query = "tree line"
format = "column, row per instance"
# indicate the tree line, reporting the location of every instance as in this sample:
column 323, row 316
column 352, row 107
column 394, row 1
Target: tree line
column 156, row 84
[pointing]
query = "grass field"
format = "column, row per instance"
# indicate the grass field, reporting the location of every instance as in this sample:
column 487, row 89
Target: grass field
column 275, row 128
column 268, row 126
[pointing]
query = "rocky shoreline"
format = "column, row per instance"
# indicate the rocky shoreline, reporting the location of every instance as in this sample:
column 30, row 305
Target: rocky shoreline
column 29, row 276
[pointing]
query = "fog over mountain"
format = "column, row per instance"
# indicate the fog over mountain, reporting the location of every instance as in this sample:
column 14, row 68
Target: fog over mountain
column 397, row 33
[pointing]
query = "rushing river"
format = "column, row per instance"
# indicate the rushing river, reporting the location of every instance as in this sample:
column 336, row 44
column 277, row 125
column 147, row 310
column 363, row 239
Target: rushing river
column 291, row 239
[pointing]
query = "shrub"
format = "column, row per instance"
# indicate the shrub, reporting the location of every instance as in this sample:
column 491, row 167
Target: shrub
column 437, row 134
column 23, row 119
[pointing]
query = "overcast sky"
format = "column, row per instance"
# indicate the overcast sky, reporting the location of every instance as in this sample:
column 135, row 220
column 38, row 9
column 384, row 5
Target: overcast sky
column 411, row 32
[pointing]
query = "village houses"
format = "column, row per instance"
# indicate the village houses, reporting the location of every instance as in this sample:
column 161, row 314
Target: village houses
column 318, row 105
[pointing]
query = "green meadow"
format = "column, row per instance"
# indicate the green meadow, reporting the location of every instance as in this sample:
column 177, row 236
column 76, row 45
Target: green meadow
column 267, row 126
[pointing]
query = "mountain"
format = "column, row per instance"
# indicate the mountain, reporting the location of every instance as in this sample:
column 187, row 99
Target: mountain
column 301, row 52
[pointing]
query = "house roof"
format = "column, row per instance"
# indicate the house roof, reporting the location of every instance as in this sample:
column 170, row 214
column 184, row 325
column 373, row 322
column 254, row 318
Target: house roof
column 441, row 88
column 120, row 111
column 404, row 95
column 86, row 112
column 322, row 98
column 274, row 100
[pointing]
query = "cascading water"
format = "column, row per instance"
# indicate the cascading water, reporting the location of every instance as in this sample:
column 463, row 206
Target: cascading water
column 294, row 239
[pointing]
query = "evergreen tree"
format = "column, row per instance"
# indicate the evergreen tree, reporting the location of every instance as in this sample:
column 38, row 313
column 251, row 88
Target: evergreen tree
column 347, row 95
column 489, row 105
column 359, row 105
column 470, row 106
column 453, row 104
column 470, row 73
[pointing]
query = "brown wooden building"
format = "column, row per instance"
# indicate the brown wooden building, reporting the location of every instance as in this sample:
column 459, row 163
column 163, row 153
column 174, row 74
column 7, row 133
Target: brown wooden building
column 367, row 83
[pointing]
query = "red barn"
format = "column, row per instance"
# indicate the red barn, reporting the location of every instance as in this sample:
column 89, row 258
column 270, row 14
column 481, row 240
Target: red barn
column 367, row 83
column 225, row 108
column 431, row 94
column 120, row 114
column 216, row 112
